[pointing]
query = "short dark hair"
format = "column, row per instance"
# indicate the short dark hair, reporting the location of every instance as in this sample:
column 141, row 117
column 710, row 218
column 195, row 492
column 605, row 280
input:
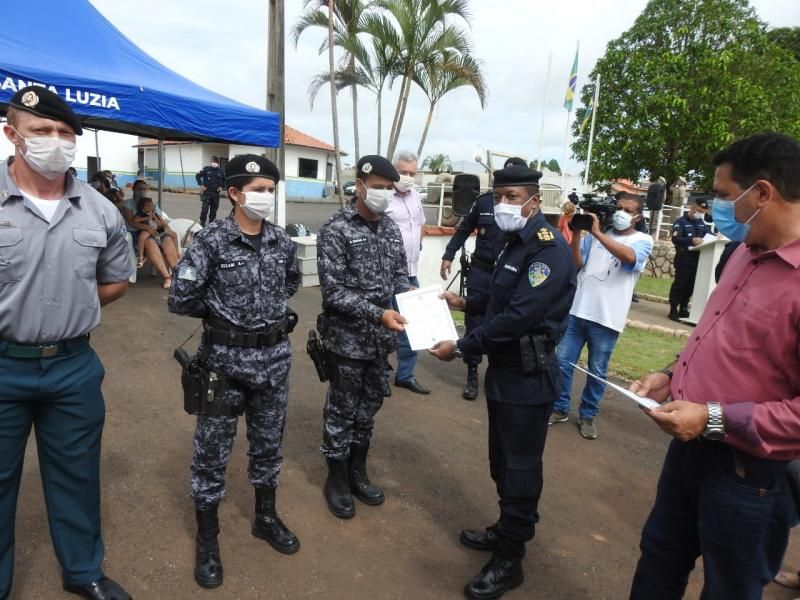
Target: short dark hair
column 771, row 156
column 238, row 183
column 141, row 202
column 638, row 200
column 532, row 190
column 137, row 182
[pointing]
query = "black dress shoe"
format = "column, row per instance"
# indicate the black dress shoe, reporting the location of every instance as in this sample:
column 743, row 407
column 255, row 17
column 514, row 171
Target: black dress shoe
column 684, row 313
column 674, row 317
column 475, row 539
column 102, row 589
column 413, row 385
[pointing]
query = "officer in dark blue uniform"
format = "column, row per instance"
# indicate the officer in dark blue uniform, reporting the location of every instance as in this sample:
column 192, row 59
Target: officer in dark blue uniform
column 533, row 285
column 211, row 180
column 488, row 243
column 687, row 232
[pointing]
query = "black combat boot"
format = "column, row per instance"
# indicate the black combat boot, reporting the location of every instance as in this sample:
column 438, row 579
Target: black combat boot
column 502, row 573
column 268, row 525
column 673, row 315
column 208, row 564
column 359, row 480
column 683, row 313
column 476, row 539
column 471, row 389
column 337, row 490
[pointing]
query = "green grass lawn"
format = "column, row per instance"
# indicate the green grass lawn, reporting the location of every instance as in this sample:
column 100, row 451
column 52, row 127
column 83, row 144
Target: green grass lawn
column 654, row 287
column 639, row 352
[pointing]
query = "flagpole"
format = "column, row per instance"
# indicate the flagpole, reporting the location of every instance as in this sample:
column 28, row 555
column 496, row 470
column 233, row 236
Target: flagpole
column 544, row 109
column 591, row 130
column 566, row 131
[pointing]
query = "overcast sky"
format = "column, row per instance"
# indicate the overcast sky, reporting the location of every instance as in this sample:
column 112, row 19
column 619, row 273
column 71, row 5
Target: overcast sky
column 222, row 46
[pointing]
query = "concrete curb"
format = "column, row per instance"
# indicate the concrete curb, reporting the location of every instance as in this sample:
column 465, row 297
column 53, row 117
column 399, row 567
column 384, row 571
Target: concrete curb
column 681, row 333
column 651, row 298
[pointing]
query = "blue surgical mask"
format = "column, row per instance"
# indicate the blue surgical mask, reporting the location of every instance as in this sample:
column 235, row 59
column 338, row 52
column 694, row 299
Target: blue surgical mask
column 724, row 214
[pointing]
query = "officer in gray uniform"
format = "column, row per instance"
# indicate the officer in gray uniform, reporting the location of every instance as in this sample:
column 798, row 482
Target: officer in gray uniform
column 361, row 265
column 237, row 276
column 63, row 255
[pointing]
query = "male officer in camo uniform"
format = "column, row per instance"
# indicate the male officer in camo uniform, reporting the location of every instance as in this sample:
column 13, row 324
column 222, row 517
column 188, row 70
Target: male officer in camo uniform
column 361, row 264
column 237, row 276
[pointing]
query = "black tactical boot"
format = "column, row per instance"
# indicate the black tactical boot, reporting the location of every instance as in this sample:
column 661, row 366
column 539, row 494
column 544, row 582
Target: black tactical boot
column 673, row 315
column 502, row 573
column 337, row 490
column 683, row 313
column 471, row 389
column 208, row 564
column 268, row 525
column 359, row 480
column 476, row 539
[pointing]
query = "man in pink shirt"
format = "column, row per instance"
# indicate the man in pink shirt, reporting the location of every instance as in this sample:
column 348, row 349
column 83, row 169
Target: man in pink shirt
column 406, row 211
column 735, row 394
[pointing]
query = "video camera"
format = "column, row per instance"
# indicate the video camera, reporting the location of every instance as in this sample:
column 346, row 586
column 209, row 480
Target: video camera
column 591, row 204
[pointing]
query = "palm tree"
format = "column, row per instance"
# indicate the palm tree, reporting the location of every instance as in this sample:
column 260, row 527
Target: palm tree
column 347, row 17
column 334, row 111
column 437, row 163
column 425, row 36
column 439, row 79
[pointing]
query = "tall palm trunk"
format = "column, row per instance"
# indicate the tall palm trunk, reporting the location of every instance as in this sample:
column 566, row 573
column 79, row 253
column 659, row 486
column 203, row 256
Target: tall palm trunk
column 401, row 118
column 397, row 111
column 354, row 89
column 425, row 131
column 334, row 112
column 380, row 119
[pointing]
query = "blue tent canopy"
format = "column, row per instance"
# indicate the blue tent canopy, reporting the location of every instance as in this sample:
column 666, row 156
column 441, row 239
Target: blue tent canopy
column 69, row 47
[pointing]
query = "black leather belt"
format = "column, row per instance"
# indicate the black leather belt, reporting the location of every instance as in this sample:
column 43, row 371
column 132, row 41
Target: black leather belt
column 228, row 336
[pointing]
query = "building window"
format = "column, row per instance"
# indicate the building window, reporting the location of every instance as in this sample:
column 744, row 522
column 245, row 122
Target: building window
column 307, row 168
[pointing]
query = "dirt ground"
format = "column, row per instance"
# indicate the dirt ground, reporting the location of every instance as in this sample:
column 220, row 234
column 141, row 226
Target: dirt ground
column 429, row 454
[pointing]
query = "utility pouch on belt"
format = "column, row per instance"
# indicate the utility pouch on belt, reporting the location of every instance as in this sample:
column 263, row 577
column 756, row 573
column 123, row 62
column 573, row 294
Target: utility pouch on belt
column 316, row 351
column 533, row 350
column 202, row 389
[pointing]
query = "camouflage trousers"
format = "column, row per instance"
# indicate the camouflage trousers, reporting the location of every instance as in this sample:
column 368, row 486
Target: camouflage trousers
column 265, row 415
column 355, row 396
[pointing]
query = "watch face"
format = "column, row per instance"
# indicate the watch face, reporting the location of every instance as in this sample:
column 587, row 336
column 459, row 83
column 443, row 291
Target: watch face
column 715, row 435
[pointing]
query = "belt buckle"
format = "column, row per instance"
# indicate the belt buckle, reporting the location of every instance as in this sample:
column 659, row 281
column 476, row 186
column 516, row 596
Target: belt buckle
column 49, row 351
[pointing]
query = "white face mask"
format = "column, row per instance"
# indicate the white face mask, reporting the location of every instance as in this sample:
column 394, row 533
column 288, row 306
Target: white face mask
column 50, row 156
column 215, row 164
column 259, row 205
column 406, row 183
column 622, row 220
column 377, row 201
column 509, row 216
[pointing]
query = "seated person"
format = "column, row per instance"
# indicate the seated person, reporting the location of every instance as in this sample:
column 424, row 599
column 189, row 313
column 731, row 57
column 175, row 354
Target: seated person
column 146, row 215
column 161, row 251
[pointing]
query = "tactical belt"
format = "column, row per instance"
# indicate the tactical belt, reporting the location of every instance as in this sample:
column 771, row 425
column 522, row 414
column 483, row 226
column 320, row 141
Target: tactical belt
column 481, row 264
column 14, row 350
column 226, row 335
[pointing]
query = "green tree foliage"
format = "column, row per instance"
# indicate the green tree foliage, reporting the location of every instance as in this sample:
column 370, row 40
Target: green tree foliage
column 437, row 163
column 788, row 38
column 553, row 165
column 687, row 79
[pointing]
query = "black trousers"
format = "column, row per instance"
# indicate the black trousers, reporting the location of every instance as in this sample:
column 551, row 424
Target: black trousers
column 209, row 207
column 683, row 287
column 517, row 435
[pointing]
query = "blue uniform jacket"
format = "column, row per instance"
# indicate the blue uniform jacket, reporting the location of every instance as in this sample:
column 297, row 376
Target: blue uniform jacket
column 684, row 229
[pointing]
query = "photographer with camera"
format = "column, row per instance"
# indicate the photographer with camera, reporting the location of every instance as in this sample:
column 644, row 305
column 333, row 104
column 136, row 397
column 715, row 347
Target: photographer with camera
column 609, row 265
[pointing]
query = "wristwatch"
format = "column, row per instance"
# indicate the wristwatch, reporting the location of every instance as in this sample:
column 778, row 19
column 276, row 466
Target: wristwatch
column 715, row 428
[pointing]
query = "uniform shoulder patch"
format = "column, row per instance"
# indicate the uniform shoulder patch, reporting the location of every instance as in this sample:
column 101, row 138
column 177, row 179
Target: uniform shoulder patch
column 545, row 235
column 538, row 273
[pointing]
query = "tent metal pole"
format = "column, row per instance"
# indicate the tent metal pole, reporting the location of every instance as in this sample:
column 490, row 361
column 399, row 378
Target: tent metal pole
column 97, row 151
column 276, row 91
column 160, row 170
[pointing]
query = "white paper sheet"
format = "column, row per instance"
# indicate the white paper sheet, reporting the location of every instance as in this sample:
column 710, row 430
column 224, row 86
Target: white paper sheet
column 429, row 319
column 647, row 403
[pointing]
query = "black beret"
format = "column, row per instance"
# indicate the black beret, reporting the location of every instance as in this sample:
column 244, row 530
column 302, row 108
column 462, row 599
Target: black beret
column 513, row 176
column 701, row 202
column 42, row 102
column 515, row 161
column 376, row 165
column 245, row 166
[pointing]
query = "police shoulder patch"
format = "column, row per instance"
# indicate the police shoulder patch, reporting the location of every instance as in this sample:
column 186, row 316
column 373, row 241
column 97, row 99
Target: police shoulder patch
column 545, row 235
column 538, row 273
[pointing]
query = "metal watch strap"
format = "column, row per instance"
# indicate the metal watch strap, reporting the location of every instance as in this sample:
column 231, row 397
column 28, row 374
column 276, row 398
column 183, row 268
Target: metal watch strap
column 715, row 428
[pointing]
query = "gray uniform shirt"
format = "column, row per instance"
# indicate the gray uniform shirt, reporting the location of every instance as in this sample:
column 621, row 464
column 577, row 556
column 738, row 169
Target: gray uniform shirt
column 49, row 271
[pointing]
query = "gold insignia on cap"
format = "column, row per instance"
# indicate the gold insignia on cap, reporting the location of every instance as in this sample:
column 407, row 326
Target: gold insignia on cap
column 30, row 99
column 366, row 168
column 252, row 167
column 545, row 235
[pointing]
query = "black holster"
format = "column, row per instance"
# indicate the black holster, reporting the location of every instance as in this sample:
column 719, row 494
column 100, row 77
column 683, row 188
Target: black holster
column 202, row 389
column 316, row 351
column 536, row 352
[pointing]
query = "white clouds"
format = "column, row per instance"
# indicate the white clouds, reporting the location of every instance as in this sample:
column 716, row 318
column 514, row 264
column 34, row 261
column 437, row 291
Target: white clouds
column 223, row 47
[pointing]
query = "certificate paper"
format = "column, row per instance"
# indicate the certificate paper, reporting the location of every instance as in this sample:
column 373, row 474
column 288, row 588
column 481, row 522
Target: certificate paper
column 429, row 319
column 647, row 403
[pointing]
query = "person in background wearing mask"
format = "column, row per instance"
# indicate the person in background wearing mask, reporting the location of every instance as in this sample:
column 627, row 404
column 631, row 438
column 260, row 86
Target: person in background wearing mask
column 237, row 275
column 63, row 255
column 687, row 231
column 609, row 265
column 731, row 400
column 361, row 265
column 210, row 179
column 525, row 311
column 406, row 211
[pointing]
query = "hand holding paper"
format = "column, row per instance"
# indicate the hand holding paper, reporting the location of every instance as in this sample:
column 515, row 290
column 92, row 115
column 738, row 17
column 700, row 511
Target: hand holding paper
column 428, row 317
column 646, row 403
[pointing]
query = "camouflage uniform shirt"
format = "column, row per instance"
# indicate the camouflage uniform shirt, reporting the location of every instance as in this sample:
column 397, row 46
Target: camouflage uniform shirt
column 359, row 271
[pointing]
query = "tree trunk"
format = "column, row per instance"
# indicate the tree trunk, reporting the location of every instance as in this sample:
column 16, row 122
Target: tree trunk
column 425, row 131
column 334, row 112
column 380, row 119
column 397, row 112
column 354, row 90
column 404, row 104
